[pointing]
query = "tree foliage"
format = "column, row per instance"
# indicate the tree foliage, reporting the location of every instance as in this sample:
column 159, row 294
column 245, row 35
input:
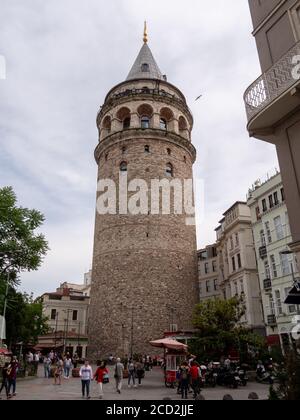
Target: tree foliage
column 24, row 247
column 25, row 320
column 219, row 329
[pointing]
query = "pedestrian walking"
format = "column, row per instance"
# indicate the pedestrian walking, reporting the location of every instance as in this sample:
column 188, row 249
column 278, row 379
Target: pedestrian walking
column 75, row 360
column 67, row 366
column 131, row 373
column 12, row 376
column 184, row 380
column 58, row 371
column 195, row 375
column 47, row 366
column 4, row 383
column 86, row 375
column 100, row 375
column 119, row 372
column 140, row 371
column 36, row 360
column 51, row 356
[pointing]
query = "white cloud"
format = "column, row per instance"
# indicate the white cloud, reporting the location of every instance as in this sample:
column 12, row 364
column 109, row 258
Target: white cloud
column 63, row 56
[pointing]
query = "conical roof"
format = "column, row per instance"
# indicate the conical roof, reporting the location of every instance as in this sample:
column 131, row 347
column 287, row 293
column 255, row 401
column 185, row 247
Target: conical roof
column 145, row 66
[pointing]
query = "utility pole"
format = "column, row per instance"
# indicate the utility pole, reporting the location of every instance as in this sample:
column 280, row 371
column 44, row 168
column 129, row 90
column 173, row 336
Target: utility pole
column 55, row 334
column 66, row 327
column 79, row 334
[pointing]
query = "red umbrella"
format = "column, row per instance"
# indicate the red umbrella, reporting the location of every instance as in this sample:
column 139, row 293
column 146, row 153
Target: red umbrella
column 168, row 343
column 5, row 352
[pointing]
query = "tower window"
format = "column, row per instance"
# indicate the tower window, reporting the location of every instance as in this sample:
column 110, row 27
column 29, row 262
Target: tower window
column 169, row 170
column 107, row 124
column 106, row 157
column 123, row 150
column 163, row 124
column 126, row 123
column 123, row 167
column 169, row 152
column 145, row 122
column 147, row 149
column 145, row 68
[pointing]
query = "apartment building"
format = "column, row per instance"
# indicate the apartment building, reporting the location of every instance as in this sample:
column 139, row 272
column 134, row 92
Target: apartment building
column 208, row 273
column 277, row 267
column 273, row 100
column 238, row 274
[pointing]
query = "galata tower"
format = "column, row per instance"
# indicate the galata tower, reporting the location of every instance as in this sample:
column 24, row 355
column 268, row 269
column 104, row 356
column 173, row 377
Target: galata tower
column 144, row 277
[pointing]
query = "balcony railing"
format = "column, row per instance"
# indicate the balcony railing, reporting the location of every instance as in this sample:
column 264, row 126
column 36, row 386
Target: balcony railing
column 271, row 84
column 271, row 320
column 267, row 284
column 263, row 252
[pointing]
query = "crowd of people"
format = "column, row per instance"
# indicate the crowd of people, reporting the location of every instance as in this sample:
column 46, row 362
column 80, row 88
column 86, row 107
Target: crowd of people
column 58, row 366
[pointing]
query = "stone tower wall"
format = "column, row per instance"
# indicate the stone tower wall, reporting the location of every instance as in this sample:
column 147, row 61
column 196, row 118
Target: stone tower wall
column 144, row 267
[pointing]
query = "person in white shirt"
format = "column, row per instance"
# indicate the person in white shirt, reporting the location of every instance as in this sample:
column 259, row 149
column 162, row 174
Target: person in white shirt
column 86, row 375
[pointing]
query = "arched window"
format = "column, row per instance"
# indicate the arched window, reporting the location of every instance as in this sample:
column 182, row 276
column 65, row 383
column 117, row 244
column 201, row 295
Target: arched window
column 107, row 124
column 145, row 122
column 126, row 123
column 182, row 124
column 147, row 149
column 145, row 68
column 163, row 124
column 124, row 116
column 123, row 167
column 169, row 170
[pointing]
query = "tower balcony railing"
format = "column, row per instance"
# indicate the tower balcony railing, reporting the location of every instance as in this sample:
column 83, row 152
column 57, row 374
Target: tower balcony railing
column 272, row 84
column 157, row 93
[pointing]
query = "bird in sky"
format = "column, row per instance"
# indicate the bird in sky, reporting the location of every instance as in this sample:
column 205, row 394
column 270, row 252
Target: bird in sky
column 199, row 97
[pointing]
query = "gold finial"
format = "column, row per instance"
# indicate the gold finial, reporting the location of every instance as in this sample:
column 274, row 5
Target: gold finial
column 145, row 39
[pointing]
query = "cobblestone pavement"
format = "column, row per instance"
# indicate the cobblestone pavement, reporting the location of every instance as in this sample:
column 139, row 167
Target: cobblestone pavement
column 152, row 389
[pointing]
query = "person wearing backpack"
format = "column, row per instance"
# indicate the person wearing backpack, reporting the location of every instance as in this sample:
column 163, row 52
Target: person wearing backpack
column 131, row 373
column 184, row 380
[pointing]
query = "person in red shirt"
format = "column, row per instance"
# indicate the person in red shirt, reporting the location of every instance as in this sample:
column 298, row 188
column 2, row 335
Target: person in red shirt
column 195, row 374
column 100, row 375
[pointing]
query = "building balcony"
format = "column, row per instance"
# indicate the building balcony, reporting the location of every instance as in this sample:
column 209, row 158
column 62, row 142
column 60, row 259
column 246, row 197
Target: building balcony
column 263, row 252
column 267, row 284
column 271, row 321
column 274, row 95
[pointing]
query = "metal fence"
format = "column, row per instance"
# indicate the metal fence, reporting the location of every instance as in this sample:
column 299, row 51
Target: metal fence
column 273, row 83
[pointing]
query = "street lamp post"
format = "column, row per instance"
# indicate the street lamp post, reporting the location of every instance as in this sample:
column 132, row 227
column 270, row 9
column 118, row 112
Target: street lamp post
column 4, row 310
column 66, row 328
column 132, row 330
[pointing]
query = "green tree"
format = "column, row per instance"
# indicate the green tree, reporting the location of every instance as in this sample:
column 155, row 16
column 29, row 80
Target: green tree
column 219, row 330
column 25, row 320
column 22, row 246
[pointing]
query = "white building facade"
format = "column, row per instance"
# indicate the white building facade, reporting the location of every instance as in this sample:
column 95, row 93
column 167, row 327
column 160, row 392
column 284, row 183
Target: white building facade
column 277, row 267
column 238, row 275
column 208, row 273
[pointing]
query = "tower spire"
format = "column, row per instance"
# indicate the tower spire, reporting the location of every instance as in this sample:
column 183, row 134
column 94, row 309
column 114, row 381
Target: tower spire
column 145, row 39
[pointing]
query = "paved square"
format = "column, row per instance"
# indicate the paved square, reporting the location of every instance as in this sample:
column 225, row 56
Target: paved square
column 152, row 388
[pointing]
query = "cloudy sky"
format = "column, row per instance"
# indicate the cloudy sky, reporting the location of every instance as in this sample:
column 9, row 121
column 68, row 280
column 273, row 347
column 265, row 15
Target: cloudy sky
column 64, row 55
